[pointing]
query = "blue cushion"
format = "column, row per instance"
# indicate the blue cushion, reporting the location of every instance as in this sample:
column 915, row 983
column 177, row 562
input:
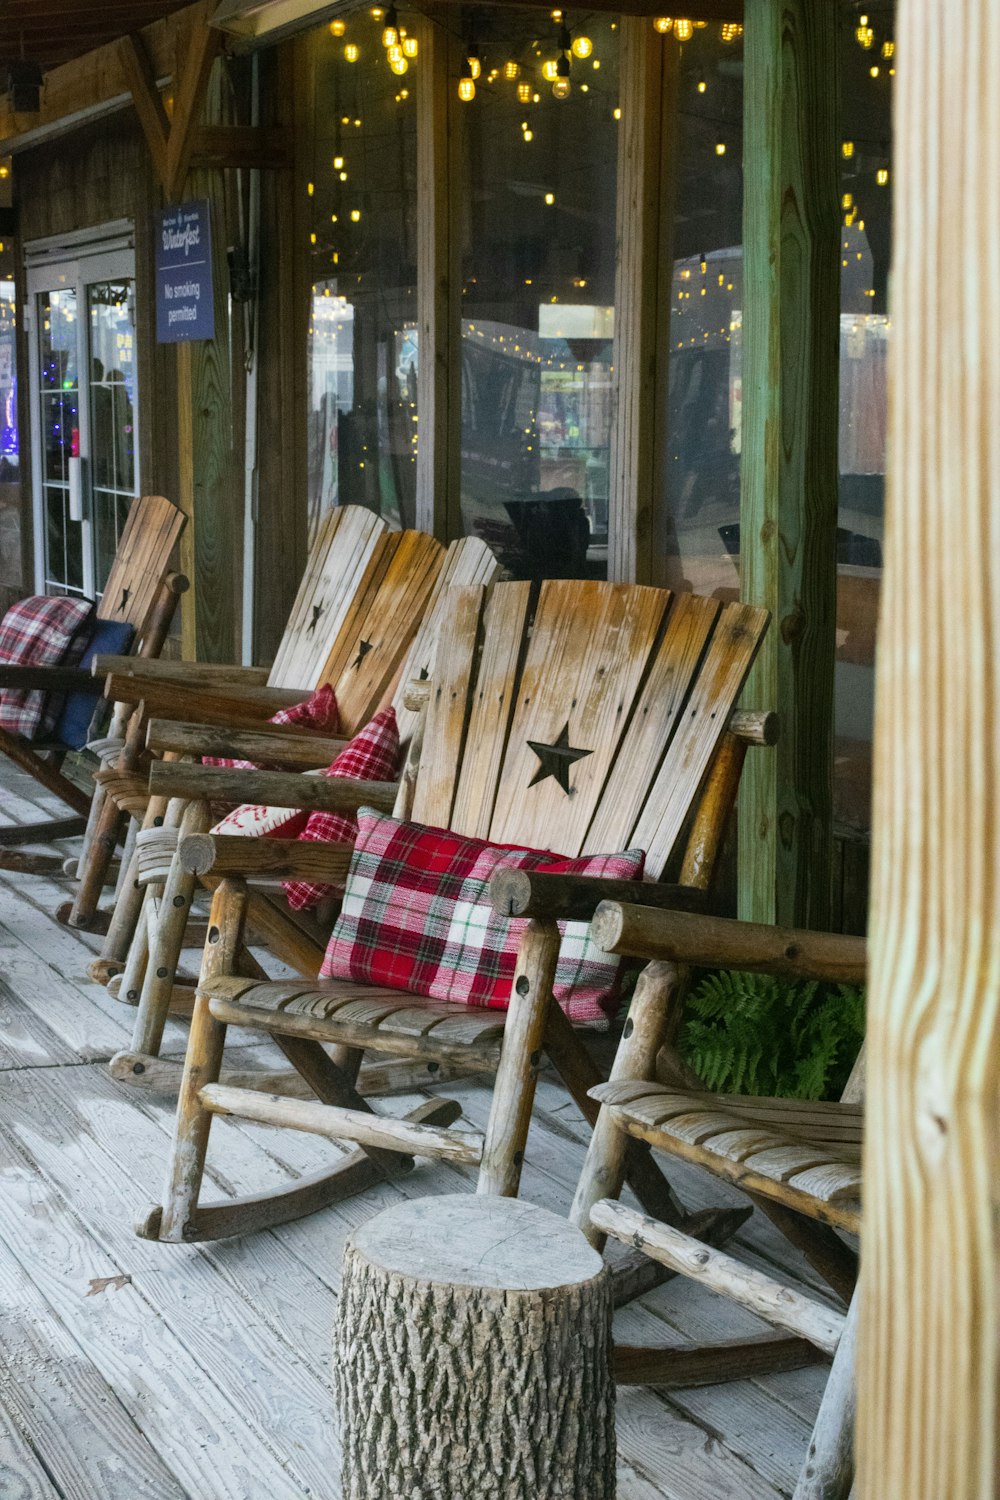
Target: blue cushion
column 110, row 638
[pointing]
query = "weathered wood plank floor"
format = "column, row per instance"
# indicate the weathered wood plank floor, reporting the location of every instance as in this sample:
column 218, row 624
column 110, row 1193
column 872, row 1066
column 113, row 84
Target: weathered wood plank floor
column 131, row 1370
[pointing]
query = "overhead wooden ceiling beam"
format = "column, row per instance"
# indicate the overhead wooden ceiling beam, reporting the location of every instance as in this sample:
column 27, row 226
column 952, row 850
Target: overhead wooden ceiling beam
column 203, row 47
column 149, row 106
column 91, row 86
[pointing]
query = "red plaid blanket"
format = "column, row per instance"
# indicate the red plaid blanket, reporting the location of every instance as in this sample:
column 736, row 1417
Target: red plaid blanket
column 40, row 632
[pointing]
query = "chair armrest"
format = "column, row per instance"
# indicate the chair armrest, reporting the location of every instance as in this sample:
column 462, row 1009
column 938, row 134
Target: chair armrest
column 48, row 679
column 293, row 748
column 230, row 705
column 341, row 794
column 194, row 673
column 719, row 942
column 277, row 859
column 575, row 898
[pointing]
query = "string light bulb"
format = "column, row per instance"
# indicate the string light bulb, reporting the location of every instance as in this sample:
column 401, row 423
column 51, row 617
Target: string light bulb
column 663, row 24
column 411, row 46
column 394, row 52
column 376, row 12
column 882, row 176
column 338, row 163
column 337, row 28
column 582, row 46
column 888, row 48
column 864, row 33
column 466, row 86
column 355, row 216
column 524, row 93
column 847, row 150
column 550, row 70
column 511, row 70
column 390, row 32
column 352, row 52
column 731, row 31
column 474, row 61
column 398, row 65
column 683, row 30
column 720, row 148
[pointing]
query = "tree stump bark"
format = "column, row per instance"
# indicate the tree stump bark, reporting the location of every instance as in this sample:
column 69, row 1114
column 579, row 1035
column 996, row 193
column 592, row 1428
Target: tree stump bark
column 473, row 1356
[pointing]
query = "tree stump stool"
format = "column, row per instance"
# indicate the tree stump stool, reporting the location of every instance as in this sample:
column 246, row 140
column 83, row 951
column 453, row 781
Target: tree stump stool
column 473, row 1356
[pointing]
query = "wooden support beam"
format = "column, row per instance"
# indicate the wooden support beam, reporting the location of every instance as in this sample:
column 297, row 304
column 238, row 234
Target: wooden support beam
column 643, row 271
column 203, row 47
column 929, row 1336
column 439, row 309
column 788, row 518
column 138, row 71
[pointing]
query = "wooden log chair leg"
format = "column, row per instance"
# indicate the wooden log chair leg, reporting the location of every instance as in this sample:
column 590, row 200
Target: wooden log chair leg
column 130, row 902
column 828, row 1472
column 166, row 941
column 108, row 827
column 520, row 1060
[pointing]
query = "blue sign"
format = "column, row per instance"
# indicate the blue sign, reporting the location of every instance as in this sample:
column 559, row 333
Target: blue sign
column 185, row 307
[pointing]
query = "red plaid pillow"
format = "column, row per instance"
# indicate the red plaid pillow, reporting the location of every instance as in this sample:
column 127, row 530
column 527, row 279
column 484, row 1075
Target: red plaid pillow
column 416, row 916
column 40, row 632
column 372, row 755
column 317, row 712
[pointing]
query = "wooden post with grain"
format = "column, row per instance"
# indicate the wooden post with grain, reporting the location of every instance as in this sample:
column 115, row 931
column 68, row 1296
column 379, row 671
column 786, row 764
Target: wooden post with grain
column 929, row 1335
column 473, row 1356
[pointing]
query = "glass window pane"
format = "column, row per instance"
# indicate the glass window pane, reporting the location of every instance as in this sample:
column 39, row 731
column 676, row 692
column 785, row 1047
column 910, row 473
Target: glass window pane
column 112, row 415
column 363, row 243
column 866, row 159
column 60, row 435
column 702, row 451
column 9, row 461
column 538, row 293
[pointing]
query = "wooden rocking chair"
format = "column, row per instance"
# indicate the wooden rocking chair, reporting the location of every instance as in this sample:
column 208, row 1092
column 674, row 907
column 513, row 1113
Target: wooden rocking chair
column 393, row 618
column 640, row 687
column 799, row 1162
column 141, row 592
column 339, row 560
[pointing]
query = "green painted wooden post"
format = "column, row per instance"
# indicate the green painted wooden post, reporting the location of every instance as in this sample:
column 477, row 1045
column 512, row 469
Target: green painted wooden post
column 791, row 236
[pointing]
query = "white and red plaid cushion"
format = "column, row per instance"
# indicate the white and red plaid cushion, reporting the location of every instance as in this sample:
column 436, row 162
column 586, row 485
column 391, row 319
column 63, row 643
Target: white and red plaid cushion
column 40, row 632
column 317, row 712
column 372, row 755
column 416, row 916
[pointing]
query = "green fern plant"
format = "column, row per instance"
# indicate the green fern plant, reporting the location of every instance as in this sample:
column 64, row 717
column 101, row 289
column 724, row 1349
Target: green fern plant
column 757, row 1034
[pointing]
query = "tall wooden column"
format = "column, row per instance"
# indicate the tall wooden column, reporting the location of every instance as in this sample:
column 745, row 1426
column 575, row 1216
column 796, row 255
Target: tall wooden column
column 439, row 292
column 791, row 237
column 930, row 1318
column 637, row 520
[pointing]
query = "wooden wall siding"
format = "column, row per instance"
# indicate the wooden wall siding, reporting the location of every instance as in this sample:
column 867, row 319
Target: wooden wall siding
column 789, row 473
column 929, row 1355
column 439, row 309
column 99, row 173
column 644, row 265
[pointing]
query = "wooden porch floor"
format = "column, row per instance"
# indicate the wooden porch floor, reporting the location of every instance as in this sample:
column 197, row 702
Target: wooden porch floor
column 130, row 1369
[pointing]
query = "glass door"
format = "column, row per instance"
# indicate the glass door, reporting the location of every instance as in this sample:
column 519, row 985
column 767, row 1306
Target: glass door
column 84, row 408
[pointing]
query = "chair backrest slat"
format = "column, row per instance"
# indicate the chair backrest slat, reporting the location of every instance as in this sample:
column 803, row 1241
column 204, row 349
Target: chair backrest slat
column 142, row 559
column 341, row 562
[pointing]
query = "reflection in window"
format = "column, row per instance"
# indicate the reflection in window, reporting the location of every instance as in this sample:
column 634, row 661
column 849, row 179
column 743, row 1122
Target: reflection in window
column 60, row 437
column 538, row 291
column 8, row 385
column 362, row 345
column 112, row 416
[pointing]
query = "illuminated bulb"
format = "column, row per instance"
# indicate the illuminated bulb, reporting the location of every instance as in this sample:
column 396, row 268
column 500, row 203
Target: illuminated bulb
column 550, row 198
column 312, row 239
column 731, row 31
column 874, row 70
column 376, row 12
column 343, row 176
column 683, row 30
column 616, row 114
column 562, row 88
column 557, row 15
column 536, row 98
column 466, row 90
column 550, row 70
column 474, row 61
column 390, row 32
column 882, row 176
column 351, row 52
column 524, row 92
column 338, row 162
column 704, row 265
column 888, row 48
column 310, row 188
column 399, row 66
column 511, row 70
column 702, row 85
column 528, row 136
column 663, row 24
column 394, row 52
column 410, row 46
column 847, row 200
column 597, row 62
column 847, row 150
column 864, row 34
column 582, row 46
column 337, row 28
column 355, row 215
column 720, row 148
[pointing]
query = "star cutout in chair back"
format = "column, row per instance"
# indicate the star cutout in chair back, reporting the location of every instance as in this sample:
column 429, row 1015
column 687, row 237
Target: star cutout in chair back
column 363, row 650
column 556, row 759
column 318, row 611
